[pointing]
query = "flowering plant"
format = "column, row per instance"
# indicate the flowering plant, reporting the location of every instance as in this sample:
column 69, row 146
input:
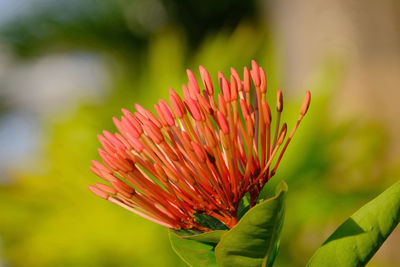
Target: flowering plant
column 198, row 167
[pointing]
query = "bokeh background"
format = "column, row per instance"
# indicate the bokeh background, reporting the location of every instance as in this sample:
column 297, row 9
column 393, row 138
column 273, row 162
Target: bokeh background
column 68, row 66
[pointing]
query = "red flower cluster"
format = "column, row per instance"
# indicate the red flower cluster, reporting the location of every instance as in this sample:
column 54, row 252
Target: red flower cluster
column 198, row 155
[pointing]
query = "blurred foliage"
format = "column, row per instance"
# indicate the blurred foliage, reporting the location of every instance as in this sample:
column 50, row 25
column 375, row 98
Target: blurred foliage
column 51, row 219
column 124, row 27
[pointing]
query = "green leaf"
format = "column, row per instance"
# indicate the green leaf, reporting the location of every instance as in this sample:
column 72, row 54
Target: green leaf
column 271, row 259
column 254, row 240
column 210, row 222
column 196, row 249
column 212, row 237
column 359, row 237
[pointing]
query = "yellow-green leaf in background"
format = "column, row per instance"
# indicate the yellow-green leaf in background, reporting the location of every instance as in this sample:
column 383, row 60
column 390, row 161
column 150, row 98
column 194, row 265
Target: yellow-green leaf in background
column 359, row 237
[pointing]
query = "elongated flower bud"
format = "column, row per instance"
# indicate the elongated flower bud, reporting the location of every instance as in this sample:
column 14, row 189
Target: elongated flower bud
column 279, row 101
column 205, row 76
column 306, row 103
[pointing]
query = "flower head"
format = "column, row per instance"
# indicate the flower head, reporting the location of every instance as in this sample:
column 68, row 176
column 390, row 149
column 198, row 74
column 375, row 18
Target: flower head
column 197, row 155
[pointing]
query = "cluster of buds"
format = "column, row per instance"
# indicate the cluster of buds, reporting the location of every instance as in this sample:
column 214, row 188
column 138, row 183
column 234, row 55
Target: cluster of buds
column 198, row 155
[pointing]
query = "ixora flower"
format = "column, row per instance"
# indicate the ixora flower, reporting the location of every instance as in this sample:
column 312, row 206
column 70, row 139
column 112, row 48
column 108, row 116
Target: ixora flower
column 198, row 155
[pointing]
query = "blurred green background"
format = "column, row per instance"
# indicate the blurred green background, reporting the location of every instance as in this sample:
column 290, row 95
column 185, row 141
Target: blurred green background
column 67, row 67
